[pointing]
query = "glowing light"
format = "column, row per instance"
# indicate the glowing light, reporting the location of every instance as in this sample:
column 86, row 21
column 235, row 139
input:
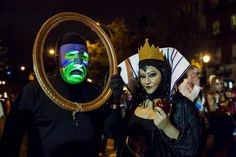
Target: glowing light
column 22, row 68
column 89, row 80
column 31, row 77
column 231, row 85
column 9, row 72
column 51, row 51
column 206, row 58
column 5, row 94
column 3, row 82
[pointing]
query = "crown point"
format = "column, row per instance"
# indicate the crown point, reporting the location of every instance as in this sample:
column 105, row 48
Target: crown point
column 150, row 52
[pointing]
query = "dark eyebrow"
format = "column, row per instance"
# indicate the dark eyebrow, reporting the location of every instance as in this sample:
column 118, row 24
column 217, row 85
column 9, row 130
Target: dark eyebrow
column 148, row 72
column 152, row 72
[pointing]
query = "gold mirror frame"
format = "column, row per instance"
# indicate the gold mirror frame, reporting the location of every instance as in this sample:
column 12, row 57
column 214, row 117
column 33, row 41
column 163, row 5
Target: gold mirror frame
column 38, row 65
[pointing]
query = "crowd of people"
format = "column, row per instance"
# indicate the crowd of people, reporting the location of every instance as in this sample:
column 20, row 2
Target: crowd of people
column 160, row 118
column 216, row 106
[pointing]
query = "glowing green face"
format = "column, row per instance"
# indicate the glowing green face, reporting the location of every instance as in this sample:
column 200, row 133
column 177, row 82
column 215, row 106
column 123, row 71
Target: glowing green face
column 73, row 63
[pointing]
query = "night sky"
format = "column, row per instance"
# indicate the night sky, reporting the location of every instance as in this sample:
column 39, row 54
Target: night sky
column 21, row 20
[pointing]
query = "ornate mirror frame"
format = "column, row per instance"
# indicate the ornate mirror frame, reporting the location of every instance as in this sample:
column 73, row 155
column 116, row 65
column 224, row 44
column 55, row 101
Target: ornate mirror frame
column 38, row 65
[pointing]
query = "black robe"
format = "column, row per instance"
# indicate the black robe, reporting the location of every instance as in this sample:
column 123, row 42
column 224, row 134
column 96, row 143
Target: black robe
column 52, row 130
column 144, row 137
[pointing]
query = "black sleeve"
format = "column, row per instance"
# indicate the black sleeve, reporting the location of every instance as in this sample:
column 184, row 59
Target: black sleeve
column 187, row 120
column 16, row 125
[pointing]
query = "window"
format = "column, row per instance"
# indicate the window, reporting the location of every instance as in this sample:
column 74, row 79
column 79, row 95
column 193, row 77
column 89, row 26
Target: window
column 216, row 27
column 214, row 4
column 218, row 55
column 194, row 8
column 234, row 50
column 233, row 21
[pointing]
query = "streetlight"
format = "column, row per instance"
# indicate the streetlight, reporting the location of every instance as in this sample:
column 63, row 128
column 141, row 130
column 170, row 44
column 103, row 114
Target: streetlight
column 206, row 59
column 22, row 68
column 89, row 80
column 2, row 82
column 51, row 52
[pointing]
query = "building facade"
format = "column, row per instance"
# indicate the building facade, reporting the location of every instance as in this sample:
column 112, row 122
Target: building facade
column 221, row 25
column 218, row 19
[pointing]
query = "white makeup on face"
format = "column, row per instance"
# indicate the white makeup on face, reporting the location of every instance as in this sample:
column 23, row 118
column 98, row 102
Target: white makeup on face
column 150, row 79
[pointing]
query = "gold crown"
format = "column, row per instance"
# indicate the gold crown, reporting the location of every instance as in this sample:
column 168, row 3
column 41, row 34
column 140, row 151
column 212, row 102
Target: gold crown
column 147, row 52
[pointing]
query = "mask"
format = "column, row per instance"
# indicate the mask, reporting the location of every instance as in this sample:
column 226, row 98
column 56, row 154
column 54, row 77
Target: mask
column 73, row 63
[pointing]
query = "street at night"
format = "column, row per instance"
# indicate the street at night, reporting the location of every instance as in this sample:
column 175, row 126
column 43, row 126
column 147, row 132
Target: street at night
column 118, row 78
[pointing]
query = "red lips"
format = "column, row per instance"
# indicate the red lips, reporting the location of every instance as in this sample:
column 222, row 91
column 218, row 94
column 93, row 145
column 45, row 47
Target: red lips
column 164, row 105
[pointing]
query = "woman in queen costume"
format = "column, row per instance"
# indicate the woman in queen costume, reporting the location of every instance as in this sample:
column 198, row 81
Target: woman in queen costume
column 161, row 122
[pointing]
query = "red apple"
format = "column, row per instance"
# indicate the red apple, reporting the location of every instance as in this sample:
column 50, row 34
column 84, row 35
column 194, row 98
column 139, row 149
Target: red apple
column 164, row 105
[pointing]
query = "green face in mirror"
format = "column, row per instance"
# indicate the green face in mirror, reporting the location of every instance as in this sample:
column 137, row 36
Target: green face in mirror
column 73, row 63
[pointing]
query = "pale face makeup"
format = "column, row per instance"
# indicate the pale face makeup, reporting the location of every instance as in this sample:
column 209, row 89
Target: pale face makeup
column 150, row 79
column 219, row 85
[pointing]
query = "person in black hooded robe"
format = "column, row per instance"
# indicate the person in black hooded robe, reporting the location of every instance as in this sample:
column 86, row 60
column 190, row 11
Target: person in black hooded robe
column 51, row 130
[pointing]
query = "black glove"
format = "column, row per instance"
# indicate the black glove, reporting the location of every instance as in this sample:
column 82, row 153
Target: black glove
column 116, row 86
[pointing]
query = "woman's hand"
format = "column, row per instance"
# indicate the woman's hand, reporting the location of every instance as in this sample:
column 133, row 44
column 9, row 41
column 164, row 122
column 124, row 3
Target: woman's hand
column 162, row 122
column 161, row 119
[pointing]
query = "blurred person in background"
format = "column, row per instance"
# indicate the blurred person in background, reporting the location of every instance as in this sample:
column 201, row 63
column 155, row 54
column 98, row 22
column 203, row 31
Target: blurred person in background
column 221, row 123
column 190, row 88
